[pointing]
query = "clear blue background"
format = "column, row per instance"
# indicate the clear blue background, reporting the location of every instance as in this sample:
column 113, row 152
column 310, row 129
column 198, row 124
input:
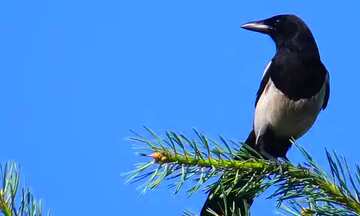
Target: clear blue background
column 77, row 75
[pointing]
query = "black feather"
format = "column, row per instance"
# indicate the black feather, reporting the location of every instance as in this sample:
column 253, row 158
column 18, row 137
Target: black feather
column 263, row 83
column 327, row 94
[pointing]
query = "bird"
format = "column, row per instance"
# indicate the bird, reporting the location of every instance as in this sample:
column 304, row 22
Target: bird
column 295, row 87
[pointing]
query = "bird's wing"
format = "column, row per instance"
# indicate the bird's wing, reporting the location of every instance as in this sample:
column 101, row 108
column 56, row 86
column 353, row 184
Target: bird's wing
column 265, row 79
column 327, row 92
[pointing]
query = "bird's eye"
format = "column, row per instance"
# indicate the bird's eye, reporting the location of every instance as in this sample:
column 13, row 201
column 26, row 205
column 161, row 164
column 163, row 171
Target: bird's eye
column 276, row 23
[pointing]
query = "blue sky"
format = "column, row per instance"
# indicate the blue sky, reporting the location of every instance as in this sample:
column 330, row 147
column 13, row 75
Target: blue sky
column 77, row 75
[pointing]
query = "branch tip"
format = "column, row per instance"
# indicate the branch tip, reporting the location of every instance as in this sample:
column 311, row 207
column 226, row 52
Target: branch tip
column 159, row 157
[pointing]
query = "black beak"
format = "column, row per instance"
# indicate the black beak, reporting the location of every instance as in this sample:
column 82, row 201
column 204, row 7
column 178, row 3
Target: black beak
column 258, row 26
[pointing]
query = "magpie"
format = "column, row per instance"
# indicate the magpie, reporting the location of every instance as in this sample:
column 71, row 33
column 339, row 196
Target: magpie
column 293, row 90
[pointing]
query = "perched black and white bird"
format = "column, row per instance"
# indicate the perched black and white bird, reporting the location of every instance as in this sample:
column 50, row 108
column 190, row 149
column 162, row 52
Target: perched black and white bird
column 293, row 90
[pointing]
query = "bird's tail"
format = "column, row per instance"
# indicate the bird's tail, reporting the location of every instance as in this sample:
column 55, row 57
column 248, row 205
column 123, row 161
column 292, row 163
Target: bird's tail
column 217, row 205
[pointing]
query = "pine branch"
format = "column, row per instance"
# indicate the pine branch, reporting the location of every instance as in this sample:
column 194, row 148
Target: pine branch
column 28, row 206
column 306, row 189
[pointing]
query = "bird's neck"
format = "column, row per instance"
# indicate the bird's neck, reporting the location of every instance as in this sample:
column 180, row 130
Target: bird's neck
column 303, row 45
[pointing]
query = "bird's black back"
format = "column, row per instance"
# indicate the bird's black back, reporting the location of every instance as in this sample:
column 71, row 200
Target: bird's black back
column 297, row 76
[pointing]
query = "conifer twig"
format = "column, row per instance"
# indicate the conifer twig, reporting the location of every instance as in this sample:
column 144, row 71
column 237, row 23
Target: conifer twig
column 306, row 189
column 27, row 205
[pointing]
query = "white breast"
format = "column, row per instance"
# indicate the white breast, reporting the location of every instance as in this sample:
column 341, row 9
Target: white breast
column 287, row 118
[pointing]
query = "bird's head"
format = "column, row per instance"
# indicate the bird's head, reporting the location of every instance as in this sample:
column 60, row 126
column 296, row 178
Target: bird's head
column 285, row 30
